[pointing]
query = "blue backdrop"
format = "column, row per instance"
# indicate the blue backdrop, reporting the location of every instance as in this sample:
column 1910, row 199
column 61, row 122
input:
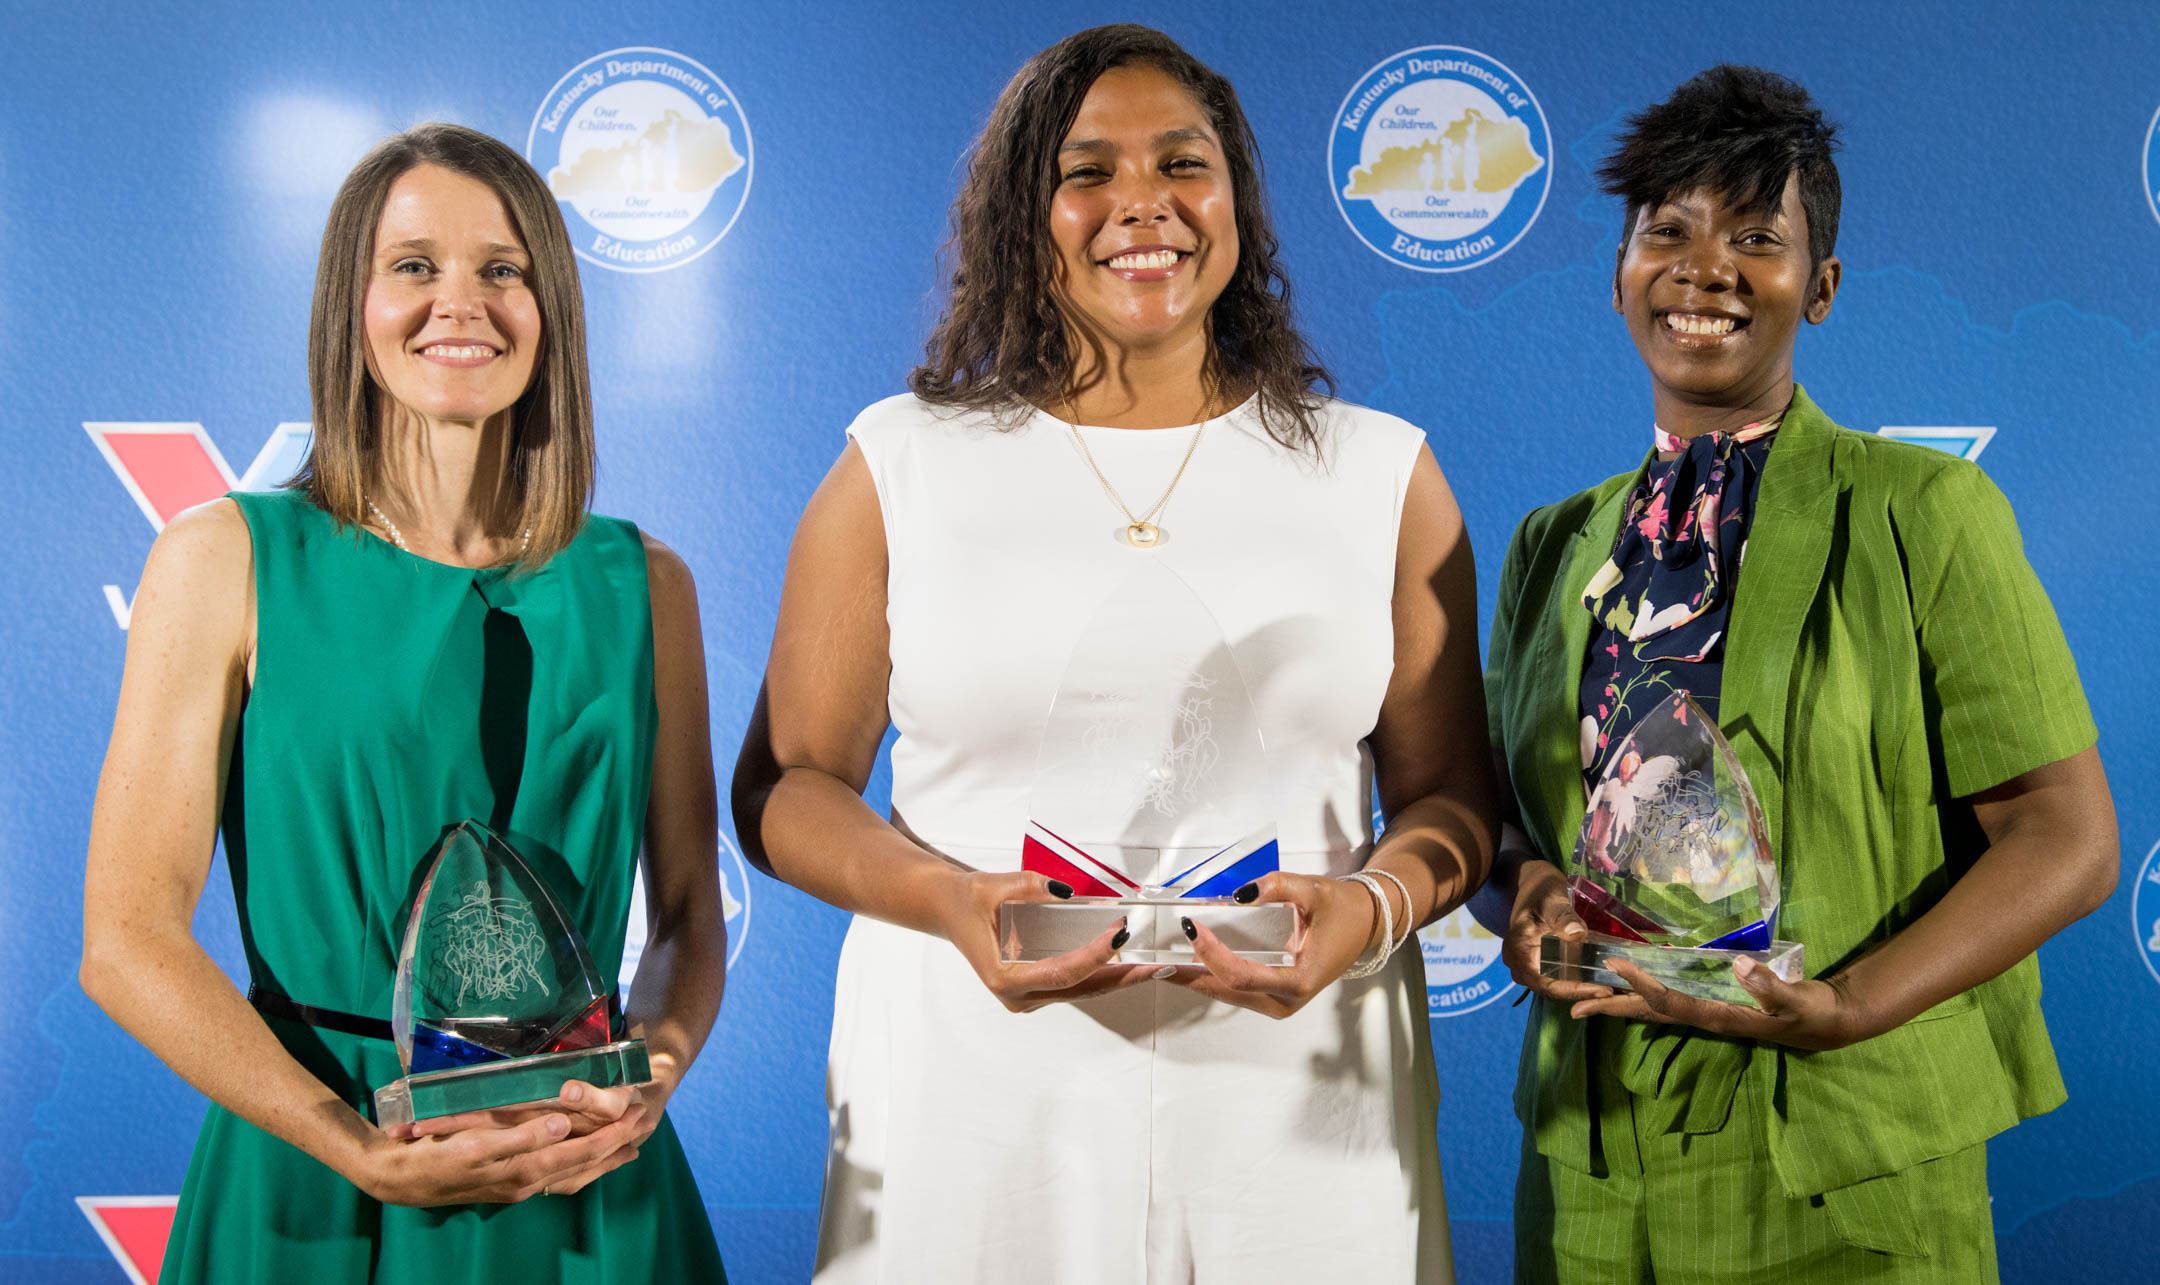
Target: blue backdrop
column 165, row 170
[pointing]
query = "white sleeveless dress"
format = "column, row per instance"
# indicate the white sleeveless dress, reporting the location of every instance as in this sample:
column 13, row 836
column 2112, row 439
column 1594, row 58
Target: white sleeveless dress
column 1148, row 1136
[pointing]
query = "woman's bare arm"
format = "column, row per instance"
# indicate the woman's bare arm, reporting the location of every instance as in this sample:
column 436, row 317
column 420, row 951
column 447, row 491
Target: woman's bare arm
column 814, row 737
column 820, row 718
column 684, row 968
column 151, row 836
column 1434, row 767
column 1431, row 750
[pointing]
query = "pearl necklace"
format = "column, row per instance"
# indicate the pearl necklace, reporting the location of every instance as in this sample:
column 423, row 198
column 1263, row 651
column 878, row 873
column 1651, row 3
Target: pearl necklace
column 524, row 541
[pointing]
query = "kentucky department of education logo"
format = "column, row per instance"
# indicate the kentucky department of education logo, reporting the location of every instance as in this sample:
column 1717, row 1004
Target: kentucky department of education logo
column 649, row 155
column 1438, row 158
column 2152, row 164
column 2145, row 911
column 1463, row 972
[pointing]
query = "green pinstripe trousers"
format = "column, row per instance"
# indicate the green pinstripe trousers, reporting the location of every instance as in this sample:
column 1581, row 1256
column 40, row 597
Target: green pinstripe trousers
column 1706, row 1209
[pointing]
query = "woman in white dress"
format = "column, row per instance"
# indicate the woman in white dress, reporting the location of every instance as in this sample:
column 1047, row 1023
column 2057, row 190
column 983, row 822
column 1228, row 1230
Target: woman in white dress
column 1119, row 330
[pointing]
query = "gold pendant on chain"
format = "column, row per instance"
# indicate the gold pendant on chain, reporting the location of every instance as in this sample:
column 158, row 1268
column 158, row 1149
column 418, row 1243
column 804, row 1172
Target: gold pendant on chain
column 1143, row 535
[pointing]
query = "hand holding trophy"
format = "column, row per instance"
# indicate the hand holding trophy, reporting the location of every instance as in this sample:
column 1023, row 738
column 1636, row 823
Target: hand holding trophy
column 1151, row 792
column 497, row 1001
column 1672, row 869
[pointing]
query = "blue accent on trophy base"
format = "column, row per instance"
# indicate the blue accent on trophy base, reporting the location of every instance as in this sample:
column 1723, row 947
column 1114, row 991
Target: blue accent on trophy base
column 1266, row 859
column 435, row 1050
column 1755, row 936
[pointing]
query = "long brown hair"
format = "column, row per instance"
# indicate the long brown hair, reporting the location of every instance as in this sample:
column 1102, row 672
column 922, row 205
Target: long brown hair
column 551, row 436
column 1003, row 345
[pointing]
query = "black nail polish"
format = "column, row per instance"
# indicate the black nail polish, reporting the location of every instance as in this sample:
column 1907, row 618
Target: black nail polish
column 1246, row 895
column 1123, row 935
column 1191, row 933
column 1060, row 889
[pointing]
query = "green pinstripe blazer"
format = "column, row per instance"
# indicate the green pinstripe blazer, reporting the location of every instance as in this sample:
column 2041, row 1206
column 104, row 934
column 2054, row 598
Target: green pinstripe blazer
column 1890, row 652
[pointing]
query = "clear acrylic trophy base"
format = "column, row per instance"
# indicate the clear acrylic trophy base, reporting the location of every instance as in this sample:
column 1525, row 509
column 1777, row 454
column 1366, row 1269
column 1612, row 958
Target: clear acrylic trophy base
column 516, row 1081
column 1035, row 930
column 1691, row 970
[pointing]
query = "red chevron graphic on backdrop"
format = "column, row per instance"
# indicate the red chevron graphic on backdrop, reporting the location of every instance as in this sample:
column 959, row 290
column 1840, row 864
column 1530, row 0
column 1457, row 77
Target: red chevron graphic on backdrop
column 134, row 1228
column 168, row 467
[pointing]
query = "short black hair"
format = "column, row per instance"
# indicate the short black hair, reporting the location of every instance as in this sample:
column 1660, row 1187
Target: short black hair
column 1738, row 131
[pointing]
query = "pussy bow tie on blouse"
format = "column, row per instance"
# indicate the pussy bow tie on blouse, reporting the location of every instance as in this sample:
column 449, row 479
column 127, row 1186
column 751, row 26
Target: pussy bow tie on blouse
column 1666, row 588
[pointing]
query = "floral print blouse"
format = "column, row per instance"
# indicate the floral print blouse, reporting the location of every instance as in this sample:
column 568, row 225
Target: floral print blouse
column 1663, row 598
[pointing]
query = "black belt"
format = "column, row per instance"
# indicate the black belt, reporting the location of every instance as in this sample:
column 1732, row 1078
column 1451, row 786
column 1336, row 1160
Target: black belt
column 272, row 1004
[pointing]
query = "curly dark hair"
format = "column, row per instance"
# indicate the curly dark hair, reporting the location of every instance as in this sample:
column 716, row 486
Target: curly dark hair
column 1739, row 131
column 1003, row 344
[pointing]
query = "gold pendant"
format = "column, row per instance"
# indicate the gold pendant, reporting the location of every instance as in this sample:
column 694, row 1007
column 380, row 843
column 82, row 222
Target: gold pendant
column 1143, row 535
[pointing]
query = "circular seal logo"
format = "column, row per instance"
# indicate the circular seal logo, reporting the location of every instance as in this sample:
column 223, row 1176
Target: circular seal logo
column 2145, row 911
column 734, row 908
column 2152, row 164
column 649, row 154
column 1463, row 972
column 1438, row 157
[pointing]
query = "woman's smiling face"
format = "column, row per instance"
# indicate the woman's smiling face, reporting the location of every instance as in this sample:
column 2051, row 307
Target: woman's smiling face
column 1714, row 295
column 1143, row 219
column 453, row 328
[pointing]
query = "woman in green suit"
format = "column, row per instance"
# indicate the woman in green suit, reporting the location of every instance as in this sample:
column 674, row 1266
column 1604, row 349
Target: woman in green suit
column 1896, row 686
column 427, row 626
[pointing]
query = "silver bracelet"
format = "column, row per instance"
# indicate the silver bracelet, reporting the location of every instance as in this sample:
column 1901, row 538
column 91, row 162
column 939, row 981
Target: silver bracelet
column 1409, row 926
column 1374, row 960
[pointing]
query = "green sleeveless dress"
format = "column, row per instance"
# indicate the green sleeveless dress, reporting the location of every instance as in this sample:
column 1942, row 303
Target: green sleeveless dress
column 393, row 697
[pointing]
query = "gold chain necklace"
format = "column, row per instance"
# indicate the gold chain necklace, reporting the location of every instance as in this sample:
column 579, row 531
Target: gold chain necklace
column 1140, row 532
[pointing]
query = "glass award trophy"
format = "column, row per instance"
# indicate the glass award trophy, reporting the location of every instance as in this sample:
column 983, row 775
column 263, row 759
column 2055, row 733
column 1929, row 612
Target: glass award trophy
column 1152, row 794
column 1672, row 869
column 497, row 1000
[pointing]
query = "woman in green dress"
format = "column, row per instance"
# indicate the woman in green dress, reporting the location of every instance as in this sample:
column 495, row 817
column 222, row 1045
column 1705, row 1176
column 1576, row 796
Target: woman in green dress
column 428, row 626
